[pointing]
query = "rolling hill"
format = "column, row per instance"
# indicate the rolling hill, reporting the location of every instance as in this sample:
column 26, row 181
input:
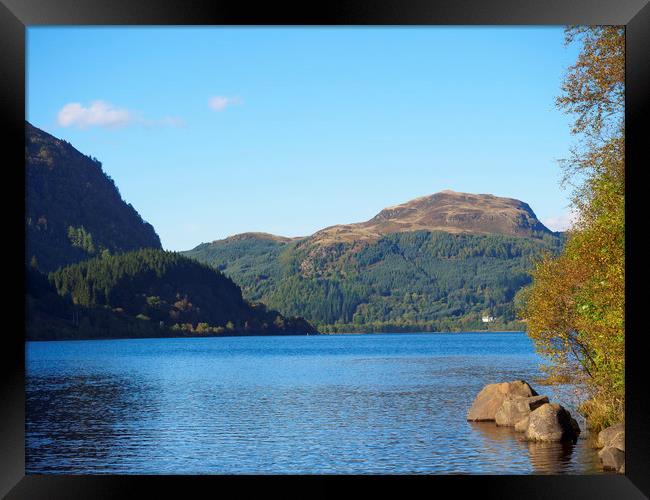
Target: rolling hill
column 439, row 262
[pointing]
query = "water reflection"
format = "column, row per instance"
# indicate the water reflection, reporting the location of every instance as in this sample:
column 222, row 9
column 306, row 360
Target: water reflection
column 544, row 458
column 550, row 458
column 362, row 404
column 68, row 420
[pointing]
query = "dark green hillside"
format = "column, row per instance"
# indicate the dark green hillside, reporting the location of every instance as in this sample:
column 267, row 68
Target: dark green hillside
column 421, row 280
column 74, row 211
column 253, row 262
column 46, row 312
column 150, row 293
column 52, row 317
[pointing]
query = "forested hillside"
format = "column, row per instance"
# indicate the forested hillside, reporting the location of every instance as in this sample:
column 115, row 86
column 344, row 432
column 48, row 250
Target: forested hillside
column 420, row 280
column 438, row 262
column 107, row 275
column 145, row 293
column 74, row 211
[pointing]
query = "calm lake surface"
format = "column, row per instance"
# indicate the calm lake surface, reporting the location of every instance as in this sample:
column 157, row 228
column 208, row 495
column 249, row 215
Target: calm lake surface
column 379, row 403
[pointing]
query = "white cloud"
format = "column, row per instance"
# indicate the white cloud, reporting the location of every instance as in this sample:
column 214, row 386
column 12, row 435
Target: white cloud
column 99, row 113
column 104, row 114
column 219, row 102
column 561, row 222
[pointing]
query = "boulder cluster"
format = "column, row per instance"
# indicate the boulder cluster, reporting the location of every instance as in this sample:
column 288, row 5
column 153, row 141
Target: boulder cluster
column 516, row 404
column 612, row 442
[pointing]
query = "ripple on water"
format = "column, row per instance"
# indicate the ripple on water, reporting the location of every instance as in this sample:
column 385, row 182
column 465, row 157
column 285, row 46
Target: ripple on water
column 330, row 404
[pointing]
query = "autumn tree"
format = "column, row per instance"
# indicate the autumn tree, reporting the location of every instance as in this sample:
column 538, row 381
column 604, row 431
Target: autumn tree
column 575, row 306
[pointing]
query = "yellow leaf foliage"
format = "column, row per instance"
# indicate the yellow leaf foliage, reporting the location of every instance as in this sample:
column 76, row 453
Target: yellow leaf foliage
column 575, row 306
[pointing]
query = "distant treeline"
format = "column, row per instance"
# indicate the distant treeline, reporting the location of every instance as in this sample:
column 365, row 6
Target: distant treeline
column 145, row 293
column 421, row 280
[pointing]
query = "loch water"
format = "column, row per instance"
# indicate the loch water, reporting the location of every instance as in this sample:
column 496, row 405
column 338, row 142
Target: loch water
column 344, row 404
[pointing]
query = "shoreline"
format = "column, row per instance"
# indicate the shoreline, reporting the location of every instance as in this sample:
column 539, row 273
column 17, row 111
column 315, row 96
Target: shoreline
column 266, row 335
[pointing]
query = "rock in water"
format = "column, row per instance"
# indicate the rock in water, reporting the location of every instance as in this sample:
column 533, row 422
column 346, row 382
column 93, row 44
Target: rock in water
column 515, row 408
column 522, row 425
column 552, row 423
column 575, row 426
column 612, row 440
column 492, row 396
column 612, row 459
column 618, row 441
column 613, row 433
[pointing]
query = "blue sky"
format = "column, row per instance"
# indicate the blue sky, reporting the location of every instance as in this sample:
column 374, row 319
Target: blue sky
column 213, row 131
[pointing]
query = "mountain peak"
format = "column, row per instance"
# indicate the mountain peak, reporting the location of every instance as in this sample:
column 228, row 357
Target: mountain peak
column 449, row 211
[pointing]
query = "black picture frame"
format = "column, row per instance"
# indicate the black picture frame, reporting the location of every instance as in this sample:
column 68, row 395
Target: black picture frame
column 15, row 15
